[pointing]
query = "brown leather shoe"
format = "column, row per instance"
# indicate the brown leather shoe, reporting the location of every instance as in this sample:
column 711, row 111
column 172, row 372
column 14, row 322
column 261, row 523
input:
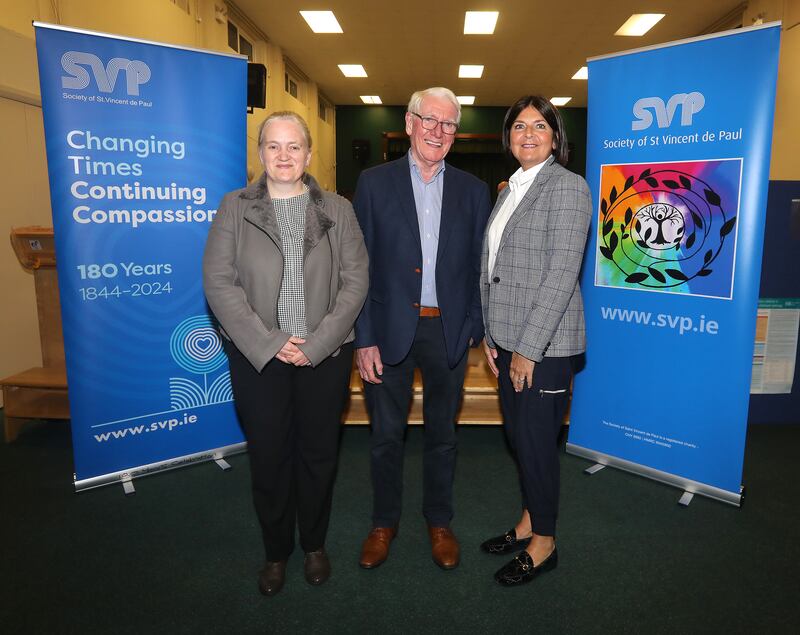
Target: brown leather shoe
column 376, row 547
column 272, row 577
column 444, row 547
column 317, row 567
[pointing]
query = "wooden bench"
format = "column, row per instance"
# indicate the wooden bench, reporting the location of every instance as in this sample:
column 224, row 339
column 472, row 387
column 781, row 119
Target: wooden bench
column 37, row 393
column 480, row 405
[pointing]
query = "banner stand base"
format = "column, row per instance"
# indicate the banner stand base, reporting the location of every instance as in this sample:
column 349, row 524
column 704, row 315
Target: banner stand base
column 685, row 499
column 688, row 486
column 126, row 476
column 594, row 469
column 127, row 485
column 222, row 463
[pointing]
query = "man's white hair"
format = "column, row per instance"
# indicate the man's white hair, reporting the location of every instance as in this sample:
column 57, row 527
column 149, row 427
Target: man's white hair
column 415, row 103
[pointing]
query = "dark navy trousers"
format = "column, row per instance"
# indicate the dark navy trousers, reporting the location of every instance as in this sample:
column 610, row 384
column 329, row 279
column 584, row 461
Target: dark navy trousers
column 532, row 420
column 388, row 405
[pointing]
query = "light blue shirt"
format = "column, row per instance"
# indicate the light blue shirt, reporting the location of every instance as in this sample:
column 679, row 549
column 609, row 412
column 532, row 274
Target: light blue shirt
column 428, row 200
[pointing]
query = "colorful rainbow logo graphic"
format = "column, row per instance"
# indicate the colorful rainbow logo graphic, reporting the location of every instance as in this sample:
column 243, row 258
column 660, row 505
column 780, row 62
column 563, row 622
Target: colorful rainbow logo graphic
column 669, row 227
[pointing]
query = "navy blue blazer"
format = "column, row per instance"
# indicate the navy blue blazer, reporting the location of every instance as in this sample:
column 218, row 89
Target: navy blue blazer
column 384, row 205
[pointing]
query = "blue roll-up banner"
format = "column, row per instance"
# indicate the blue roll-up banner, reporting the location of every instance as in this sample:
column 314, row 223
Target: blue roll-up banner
column 143, row 139
column 678, row 165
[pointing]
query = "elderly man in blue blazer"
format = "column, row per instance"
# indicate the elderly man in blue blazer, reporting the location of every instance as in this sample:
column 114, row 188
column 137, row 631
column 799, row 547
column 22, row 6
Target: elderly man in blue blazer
column 423, row 224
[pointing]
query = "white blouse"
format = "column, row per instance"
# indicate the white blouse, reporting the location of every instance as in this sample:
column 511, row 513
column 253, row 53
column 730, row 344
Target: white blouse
column 519, row 184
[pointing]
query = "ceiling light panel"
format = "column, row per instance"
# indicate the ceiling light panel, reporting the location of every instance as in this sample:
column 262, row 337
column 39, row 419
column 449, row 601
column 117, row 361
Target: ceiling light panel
column 322, row 21
column 470, row 71
column 352, row 70
column 559, row 101
column 371, row 99
column 480, row 22
column 639, row 24
column 466, row 100
column 582, row 73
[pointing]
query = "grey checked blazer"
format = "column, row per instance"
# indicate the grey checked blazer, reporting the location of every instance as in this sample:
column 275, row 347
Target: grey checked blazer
column 532, row 301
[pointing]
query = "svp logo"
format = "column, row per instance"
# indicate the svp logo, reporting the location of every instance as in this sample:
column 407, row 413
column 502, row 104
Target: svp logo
column 105, row 76
column 689, row 103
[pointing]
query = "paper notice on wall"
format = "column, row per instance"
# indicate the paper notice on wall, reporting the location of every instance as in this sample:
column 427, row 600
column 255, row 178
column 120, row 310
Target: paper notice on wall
column 776, row 345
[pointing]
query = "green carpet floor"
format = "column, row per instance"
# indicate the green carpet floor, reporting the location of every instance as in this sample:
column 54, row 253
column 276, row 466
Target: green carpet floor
column 182, row 555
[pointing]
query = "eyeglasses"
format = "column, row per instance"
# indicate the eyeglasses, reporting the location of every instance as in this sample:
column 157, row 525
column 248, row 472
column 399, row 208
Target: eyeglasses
column 430, row 123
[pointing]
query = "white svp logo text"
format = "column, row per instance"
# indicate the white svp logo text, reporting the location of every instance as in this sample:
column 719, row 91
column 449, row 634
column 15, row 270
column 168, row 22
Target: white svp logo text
column 73, row 62
column 690, row 104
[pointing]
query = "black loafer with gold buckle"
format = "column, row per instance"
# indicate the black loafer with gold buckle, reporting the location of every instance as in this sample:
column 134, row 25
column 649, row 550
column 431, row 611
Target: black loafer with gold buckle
column 504, row 544
column 522, row 570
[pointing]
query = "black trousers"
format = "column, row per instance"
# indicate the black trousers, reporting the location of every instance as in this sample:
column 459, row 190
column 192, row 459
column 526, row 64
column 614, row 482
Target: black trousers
column 291, row 418
column 388, row 405
column 532, row 420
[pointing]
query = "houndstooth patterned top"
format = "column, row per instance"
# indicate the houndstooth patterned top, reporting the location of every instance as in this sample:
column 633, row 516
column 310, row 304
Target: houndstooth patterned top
column 291, row 214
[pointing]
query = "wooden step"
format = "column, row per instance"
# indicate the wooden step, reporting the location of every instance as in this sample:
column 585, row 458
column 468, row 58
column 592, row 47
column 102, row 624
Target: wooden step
column 37, row 393
column 480, row 404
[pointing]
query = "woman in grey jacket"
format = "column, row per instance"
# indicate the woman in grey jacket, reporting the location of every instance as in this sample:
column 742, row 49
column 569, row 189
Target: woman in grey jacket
column 285, row 273
column 533, row 315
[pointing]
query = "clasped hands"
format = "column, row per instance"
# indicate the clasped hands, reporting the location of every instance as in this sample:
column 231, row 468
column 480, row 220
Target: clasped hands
column 290, row 354
column 520, row 372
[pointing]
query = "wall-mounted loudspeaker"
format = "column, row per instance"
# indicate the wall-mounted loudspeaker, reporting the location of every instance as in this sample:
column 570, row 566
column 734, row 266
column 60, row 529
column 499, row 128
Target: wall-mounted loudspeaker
column 256, row 86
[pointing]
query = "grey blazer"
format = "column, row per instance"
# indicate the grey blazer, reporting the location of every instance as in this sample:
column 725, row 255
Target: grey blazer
column 532, row 301
column 243, row 267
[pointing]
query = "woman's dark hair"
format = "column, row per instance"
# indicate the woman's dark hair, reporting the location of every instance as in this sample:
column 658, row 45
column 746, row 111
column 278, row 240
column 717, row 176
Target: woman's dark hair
column 551, row 116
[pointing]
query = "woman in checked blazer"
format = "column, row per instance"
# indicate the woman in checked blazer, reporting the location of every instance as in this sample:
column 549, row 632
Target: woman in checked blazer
column 533, row 314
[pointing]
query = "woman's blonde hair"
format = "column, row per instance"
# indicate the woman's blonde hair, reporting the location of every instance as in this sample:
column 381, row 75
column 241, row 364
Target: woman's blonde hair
column 284, row 114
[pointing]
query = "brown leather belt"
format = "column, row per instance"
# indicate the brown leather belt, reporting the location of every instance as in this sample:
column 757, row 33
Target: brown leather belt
column 429, row 311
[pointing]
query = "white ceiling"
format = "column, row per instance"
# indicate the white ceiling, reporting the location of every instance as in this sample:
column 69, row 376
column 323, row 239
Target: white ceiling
column 412, row 44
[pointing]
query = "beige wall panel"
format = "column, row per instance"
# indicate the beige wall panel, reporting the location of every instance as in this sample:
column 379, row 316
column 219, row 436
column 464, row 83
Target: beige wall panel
column 17, row 15
column 786, row 132
column 36, row 177
column 784, row 165
column 211, row 34
column 157, row 20
column 19, row 74
column 324, row 153
column 23, row 181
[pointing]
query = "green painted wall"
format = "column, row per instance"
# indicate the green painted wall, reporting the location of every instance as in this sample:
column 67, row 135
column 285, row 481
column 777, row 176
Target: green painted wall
column 370, row 122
